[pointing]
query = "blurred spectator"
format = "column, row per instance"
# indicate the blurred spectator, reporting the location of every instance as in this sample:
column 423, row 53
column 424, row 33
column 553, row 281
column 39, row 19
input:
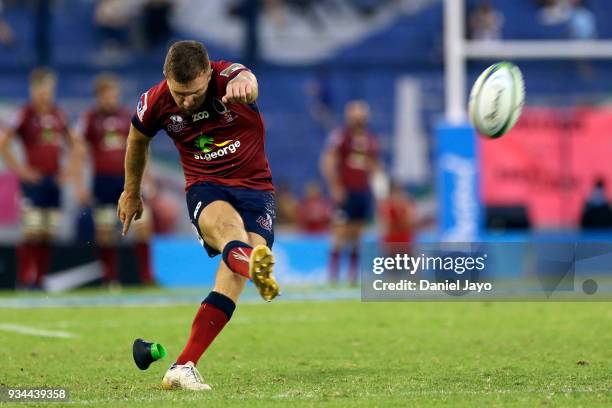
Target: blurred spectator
column 554, row 11
column 156, row 22
column 485, row 23
column 396, row 216
column 320, row 102
column 596, row 212
column 114, row 18
column 286, row 205
column 581, row 24
column 7, row 38
column 314, row 212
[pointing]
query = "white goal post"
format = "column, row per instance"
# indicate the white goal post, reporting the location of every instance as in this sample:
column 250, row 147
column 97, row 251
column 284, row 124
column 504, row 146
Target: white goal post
column 458, row 50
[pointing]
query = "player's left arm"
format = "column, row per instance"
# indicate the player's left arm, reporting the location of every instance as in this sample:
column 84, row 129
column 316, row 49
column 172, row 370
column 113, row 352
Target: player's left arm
column 242, row 89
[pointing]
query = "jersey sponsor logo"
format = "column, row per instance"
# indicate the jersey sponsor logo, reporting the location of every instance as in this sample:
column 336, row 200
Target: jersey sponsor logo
column 207, row 145
column 200, row 115
column 142, row 105
column 231, row 69
column 178, row 123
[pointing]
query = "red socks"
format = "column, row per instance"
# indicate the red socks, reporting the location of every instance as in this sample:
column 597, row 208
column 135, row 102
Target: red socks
column 213, row 315
column 237, row 255
column 32, row 263
column 109, row 258
column 42, row 258
column 143, row 255
column 26, row 264
column 334, row 266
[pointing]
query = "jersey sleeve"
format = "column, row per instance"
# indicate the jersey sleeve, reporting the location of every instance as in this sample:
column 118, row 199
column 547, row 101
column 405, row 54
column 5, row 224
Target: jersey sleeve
column 227, row 71
column 145, row 118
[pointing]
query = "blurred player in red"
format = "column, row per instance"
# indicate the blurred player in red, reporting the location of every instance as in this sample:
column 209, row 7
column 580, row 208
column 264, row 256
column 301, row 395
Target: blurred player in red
column 314, row 211
column 104, row 129
column 208, row 109
column 42, row 128
column 396, row 216
column 348, row 162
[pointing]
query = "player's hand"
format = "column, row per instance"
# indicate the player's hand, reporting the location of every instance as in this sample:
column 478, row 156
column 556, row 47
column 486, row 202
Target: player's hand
column 29, row 175
column 239, row 91
column 129, row 208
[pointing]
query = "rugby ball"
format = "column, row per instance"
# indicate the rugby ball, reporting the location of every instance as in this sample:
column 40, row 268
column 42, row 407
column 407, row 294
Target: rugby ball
column 496, row 100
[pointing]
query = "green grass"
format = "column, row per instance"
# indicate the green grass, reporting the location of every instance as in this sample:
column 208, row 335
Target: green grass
column 337, row 353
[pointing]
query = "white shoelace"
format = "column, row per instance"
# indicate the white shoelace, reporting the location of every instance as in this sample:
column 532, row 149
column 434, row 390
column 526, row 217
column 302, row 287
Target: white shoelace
column 194, row 375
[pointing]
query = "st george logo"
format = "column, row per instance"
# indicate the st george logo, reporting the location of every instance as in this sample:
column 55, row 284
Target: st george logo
column 206, row 144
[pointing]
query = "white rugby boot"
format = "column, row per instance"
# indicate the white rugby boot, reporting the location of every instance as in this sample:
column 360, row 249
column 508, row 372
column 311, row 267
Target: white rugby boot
column 185, row 377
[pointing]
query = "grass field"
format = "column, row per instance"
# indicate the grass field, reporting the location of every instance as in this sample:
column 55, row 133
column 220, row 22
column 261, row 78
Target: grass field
column 341, row 353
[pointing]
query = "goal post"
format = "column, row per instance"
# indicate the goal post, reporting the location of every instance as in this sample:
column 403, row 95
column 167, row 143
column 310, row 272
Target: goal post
column 460, row 215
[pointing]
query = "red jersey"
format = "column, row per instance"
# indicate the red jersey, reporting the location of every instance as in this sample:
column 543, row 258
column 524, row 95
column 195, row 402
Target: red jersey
column 106, row 134
column 357, row 153
column 314, row 214
column 42, row 134
column 221, row 143
column 397, row 214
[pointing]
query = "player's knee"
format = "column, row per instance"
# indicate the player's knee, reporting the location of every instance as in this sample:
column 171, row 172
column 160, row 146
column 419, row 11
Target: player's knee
column 222, row 230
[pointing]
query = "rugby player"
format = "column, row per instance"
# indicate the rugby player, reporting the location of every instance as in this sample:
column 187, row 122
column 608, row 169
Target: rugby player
column 347, row 163
column 208, row 109
column 104, row 129
column 42, row 128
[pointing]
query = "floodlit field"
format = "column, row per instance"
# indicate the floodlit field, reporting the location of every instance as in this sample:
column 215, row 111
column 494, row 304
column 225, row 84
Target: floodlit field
column 341, row 353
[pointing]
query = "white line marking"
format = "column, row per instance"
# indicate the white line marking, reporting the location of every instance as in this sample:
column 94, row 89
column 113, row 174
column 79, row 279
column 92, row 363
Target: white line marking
column 32, row 331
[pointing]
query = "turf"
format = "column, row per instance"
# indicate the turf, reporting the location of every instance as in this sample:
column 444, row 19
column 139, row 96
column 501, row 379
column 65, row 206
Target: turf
column 339, row 353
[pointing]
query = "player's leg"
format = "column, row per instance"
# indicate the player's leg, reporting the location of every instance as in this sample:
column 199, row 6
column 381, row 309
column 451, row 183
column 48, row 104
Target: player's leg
column 31, row 220
column 143, row 229
column 223, row 229
column 354, row 233
column 105, row 221
column 358, row 218
column 218, row 224
column 338, row 238
column 51, row 222
column 217, row 309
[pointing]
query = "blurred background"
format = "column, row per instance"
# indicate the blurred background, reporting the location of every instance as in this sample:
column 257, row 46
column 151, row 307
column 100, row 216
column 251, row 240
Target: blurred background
column 550, row 176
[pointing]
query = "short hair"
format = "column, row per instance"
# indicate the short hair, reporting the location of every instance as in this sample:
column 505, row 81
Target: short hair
column 104, row 81
column 186, row 60
column 41, row 75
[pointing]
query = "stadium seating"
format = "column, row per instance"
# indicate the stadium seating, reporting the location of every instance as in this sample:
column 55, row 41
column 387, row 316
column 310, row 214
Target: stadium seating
column 409, row 45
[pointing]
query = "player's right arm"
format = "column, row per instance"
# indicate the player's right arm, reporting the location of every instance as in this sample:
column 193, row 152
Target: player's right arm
column 130, row 203
column 22, row 170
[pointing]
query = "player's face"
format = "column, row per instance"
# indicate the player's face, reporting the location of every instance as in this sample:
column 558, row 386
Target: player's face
column 357, row 114
column 190, row 96
column 43, row 93
column 108, row 98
